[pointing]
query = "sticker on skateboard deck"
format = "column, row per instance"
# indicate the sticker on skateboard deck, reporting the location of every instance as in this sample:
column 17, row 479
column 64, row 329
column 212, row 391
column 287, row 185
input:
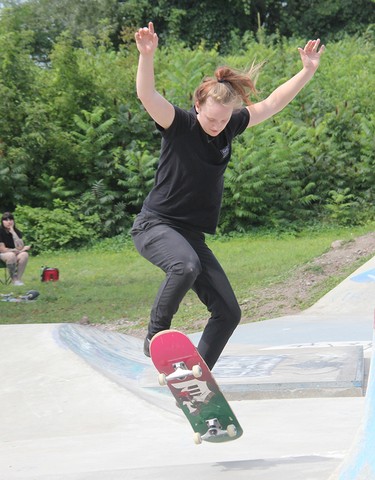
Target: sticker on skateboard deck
column 190, row 380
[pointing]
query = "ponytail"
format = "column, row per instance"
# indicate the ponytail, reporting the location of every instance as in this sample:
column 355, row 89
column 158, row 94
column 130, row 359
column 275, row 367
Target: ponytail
column 229, row 86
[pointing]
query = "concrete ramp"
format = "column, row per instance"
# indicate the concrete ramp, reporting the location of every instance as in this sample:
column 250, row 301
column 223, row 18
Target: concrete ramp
column 359, row 463
column 62, row 419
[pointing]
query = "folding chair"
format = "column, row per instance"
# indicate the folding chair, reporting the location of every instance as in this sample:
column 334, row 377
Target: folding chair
column 7, row 278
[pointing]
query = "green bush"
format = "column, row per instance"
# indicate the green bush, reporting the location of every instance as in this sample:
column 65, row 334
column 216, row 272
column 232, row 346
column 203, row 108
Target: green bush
column 57, row 229
column 315, row 160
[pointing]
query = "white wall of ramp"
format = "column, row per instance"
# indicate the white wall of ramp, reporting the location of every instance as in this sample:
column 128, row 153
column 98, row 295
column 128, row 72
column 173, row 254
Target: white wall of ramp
column 359, row 463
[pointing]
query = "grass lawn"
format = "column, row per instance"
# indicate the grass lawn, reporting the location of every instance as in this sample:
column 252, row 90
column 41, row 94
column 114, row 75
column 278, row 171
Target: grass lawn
column 117, row 283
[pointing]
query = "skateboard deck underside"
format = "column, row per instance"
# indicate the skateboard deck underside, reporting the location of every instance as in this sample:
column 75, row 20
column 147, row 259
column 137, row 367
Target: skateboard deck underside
column 200, row 399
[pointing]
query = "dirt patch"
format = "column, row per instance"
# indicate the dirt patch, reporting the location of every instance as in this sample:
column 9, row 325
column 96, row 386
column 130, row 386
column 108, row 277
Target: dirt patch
column 306, row 284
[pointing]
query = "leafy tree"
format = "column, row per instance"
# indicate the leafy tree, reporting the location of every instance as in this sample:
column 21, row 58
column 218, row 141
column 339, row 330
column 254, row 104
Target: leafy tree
column 107, row 205
column 49, row 19
column 17, row 77
column 193, row 22
column 120, row 194
column 139, row 175
column 71, row 87
column 92, row 143
column 325, row 19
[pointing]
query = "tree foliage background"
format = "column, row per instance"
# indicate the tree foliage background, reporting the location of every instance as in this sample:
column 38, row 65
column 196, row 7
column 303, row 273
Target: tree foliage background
column 76, row 146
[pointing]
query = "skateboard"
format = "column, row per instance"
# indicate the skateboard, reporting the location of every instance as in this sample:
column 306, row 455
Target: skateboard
column 190, row 380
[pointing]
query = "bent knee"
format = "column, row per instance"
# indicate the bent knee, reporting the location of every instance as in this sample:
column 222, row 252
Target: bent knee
column 193, row 268
column 189, row 269
column 231, row 314
column 236, row 315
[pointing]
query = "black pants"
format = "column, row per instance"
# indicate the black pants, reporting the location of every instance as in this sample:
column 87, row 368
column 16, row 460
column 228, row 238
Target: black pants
column 188, row 264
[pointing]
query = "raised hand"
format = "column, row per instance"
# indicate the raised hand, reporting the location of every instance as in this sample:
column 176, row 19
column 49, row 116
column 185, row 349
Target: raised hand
column 147, row 40
column 310, row 55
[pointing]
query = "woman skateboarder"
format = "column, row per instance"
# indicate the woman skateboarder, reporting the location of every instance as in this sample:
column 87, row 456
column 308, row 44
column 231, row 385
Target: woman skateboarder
column 186, row 198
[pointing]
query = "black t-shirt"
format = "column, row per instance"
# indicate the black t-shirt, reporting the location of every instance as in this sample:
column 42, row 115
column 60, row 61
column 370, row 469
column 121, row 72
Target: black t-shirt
column 7, row 238
column 189, row 180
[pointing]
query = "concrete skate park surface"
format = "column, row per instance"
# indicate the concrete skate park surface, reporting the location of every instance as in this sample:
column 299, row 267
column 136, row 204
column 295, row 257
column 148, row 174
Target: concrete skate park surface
column 82, row 403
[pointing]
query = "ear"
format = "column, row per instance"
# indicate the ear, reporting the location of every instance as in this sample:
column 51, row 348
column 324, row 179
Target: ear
column 196, row 107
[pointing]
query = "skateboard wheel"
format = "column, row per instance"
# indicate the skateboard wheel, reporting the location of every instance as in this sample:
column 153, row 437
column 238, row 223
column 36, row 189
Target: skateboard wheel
column 231, row 430
column 162, row 379
column 197, row 438
column 197, row 371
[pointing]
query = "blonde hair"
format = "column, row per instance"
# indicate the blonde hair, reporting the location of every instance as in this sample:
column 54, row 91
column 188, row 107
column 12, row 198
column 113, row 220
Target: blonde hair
column 228, row 86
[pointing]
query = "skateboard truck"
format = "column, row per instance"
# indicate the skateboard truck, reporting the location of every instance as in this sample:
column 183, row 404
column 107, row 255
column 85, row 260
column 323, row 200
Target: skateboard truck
column 180, row 372
column 215, row 430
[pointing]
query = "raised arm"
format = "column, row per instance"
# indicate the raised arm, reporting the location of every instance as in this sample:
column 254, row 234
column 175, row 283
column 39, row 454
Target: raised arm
column 285, row 93
column 160, row 110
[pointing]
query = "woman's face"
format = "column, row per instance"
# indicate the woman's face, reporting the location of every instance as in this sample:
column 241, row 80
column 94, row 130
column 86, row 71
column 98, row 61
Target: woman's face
column 213, row 116
column 8, row 223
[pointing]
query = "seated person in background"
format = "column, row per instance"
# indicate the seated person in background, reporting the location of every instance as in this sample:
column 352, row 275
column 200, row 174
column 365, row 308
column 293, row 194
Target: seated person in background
column 13, row 252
